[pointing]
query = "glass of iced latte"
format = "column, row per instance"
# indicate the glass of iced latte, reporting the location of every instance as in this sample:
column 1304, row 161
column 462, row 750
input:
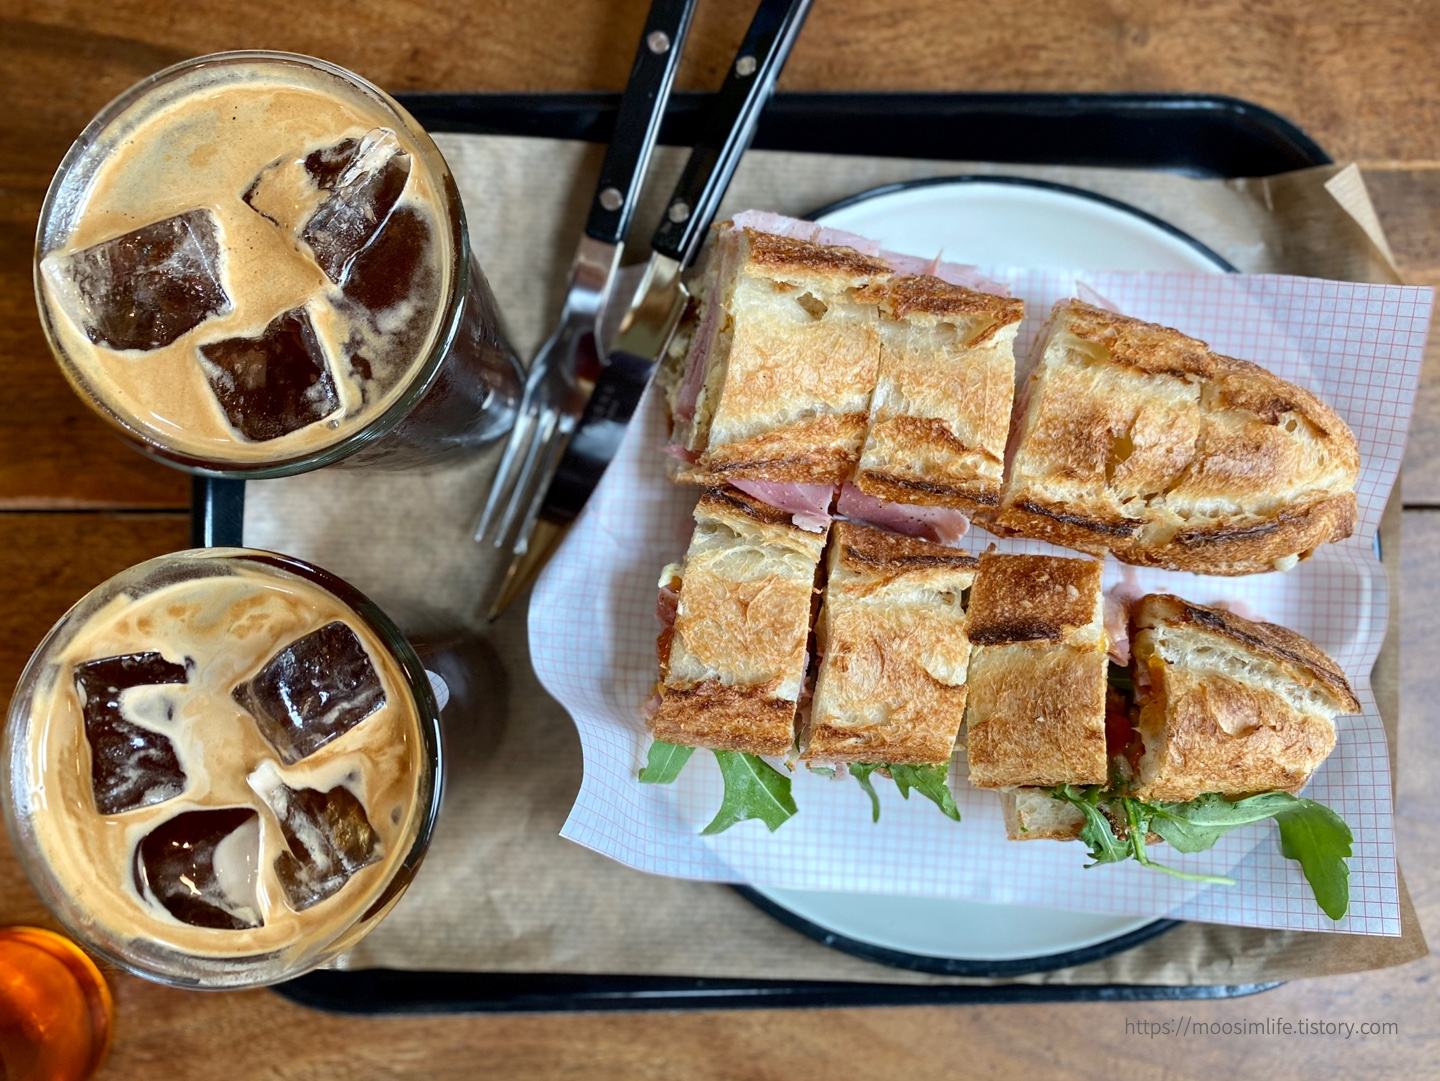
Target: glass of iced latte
column 255, row 264
column 222, row 767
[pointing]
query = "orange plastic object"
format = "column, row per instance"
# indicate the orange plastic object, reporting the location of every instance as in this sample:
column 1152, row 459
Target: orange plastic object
column 56, row 1011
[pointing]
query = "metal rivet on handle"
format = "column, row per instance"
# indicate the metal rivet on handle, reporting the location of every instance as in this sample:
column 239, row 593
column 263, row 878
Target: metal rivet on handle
column 679, row 211
column 745, row 66
column 658, row 41
column 612, row 199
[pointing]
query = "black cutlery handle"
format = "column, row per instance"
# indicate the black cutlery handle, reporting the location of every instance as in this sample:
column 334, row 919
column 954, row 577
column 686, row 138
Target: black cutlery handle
column 656, row 59
column 729, row 127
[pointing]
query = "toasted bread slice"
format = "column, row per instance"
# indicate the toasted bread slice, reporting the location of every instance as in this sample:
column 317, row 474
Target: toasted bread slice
column 733, row 665
column 778, row 379
column 1229, row 705
column 893, row 651
column 1035, row 715
column 1133, row 438
column 940, row 412
column 1032, row 814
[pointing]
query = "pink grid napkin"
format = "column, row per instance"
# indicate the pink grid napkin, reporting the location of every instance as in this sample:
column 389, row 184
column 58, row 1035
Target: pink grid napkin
column 593, row 628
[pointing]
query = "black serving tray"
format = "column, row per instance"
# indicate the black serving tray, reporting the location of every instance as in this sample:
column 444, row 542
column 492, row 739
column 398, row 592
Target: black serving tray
column 1190, row 134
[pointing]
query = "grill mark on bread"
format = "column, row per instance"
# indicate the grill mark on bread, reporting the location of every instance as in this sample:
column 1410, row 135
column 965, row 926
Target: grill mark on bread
column 711, row 714
column 876, row 550
column 1270, row 639
column 751, row 507
column 869, row 479
column 1271, row 470
column 1021, row 598
column 1124, row 528
column 902, row 296
column 772, row 251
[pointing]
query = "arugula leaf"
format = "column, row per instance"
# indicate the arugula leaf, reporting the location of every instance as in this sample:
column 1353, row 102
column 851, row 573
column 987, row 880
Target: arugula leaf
column 1118, row 676
column 1320, row 841
column 1138, row 817
column 1198, row 824
column 753, row 789
column 1097, row 833
column 861, row 772
column 929, row 781
column 665, row 762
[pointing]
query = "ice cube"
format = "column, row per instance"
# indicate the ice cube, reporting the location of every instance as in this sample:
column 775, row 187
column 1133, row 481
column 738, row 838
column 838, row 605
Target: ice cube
column 146, row 288
column 328, row 837
column 315, row 689
column 362, row 195
column 201, row 865
column 388, row 272
column 289, row 190
column 131, row 765
column 274, row 384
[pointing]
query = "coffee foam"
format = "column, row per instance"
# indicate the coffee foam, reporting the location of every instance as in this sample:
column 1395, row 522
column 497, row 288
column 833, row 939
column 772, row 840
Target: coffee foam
column 228, row 627
column 200, row 144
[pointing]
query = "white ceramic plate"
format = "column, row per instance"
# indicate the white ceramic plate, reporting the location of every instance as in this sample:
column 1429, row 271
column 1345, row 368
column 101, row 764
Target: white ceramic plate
column 988, row 221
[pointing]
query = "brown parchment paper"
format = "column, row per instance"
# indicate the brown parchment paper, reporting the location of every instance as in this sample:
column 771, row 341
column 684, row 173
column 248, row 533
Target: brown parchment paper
column 500, row 891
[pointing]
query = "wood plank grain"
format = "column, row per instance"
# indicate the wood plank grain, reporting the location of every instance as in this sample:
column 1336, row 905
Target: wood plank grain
column 1360, row 80
column 49, row 561
column 158, row 1027
column 55, row 452
column 1407, row 199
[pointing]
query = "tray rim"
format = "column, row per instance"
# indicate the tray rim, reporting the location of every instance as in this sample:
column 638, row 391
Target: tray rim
column 218, row 520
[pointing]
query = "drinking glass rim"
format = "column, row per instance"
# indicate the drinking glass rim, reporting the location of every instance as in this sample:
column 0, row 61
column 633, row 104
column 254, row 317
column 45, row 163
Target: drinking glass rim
column 446, row 329
column 13, row 747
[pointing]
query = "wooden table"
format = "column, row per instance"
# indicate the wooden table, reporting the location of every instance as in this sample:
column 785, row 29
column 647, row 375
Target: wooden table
column 75, row 506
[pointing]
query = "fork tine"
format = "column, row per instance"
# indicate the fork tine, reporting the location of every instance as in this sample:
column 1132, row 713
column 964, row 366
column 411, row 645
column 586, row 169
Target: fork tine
column 525, row 482
column 505, row 475
column 539, row 481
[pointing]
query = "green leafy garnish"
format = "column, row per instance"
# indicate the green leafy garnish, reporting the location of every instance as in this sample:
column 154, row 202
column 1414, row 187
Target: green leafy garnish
column 1197, row 825
column 1320, row 841
column 929, row 781
column 1099, row 833
column 1118, row 677
column 861, row 772
column 1310, row 833
column 665, row 762
column 753, row 789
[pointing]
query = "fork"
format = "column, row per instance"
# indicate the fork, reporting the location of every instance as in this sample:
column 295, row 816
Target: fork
column 555, row 389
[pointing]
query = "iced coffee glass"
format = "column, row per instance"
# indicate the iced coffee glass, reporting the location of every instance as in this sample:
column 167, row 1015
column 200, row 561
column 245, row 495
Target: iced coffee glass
column 254, row 264
column 222, row 767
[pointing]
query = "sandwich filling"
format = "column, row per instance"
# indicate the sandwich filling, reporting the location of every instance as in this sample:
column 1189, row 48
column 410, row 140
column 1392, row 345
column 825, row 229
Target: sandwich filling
column 1215, row 724
column 815, row 359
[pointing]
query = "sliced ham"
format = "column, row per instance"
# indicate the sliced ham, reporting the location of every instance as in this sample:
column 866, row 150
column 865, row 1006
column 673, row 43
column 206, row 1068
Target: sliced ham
column 667, row 606
column 1117, row 629
column 697, row 362
column 680, row 454
column 1118, row 600
column 808, row 504
column 941, row 524
column 1093, row 298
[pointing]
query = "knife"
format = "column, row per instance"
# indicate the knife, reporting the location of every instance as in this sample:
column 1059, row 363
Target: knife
column 555, row 388
column 660, row 298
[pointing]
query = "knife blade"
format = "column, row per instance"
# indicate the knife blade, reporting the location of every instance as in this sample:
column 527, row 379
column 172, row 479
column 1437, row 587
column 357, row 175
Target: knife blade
column 556, row 387
column 659, row 299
